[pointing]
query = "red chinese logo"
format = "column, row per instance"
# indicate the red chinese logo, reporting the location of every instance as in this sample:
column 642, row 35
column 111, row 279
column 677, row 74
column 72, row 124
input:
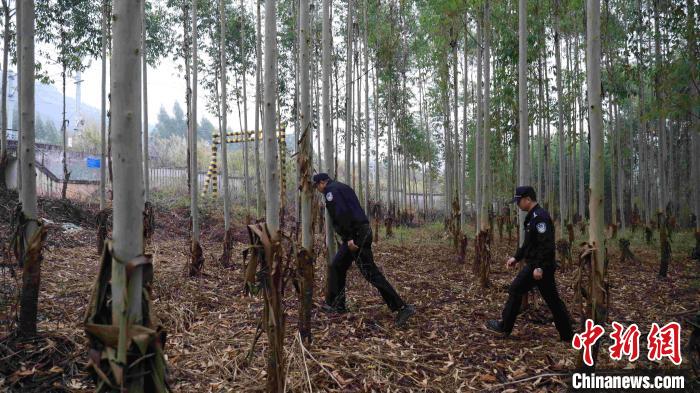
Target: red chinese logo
column 665, row 342
column 587, row 339
column 626, row 342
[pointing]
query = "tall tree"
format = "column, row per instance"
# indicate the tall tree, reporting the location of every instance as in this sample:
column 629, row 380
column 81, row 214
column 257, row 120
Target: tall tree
column 258, row 111
column 328, row 160
column 128, row 174
column 273, row 312
column 224, row 117
column 478, row 148
column 486, row 186
column 660, row 120
column 348, row 94
column 560, row 114
column 244, row 73
column 596, row 232
column 305, row 160
column 31, row 238
column 7, row 39
column 465, row 104
column 195, row 248
column 144, row 88
column 103, row 107
column 523, row 142
column 365, row 43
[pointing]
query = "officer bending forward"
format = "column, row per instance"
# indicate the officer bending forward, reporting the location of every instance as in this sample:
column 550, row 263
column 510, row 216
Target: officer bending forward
column 538, row 252
column 350, row 222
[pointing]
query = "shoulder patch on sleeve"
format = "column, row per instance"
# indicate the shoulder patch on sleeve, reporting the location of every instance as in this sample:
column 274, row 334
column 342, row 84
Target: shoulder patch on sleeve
column 329, row 196
column 541, row 227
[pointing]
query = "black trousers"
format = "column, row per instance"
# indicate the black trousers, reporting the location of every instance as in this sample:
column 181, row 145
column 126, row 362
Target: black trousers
column 365, row 262
column 522, row 283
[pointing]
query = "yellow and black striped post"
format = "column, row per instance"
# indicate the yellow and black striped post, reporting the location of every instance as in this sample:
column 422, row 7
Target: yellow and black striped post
column 212, row 172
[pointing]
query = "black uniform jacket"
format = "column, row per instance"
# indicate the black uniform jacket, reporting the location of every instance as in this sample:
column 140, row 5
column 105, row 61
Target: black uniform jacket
column 538, row 248
column 344, row 208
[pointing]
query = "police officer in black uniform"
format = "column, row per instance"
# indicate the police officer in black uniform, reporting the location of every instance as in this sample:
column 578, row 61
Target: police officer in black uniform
column 351, row 223
column 538, row 252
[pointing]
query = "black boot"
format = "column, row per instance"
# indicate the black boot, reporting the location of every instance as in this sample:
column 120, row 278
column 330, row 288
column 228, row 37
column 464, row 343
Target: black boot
column 328, row 309
column 404, row 313
column 496, row 326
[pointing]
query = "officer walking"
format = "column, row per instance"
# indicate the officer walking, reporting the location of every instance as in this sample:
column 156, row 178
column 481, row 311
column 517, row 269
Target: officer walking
column 351, row 223
column 538, row 252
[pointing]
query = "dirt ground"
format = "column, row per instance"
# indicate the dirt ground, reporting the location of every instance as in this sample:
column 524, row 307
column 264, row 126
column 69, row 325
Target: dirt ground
column 210, row 323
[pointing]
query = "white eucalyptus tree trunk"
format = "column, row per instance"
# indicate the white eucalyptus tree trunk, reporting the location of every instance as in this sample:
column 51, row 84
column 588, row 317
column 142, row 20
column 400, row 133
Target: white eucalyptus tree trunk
column 272, row 175
column 485, row 207
column 523, row 142
column 103, row 111
column 194, row 176
column 306, row 129
column 258, row 112
column 144, row 81
column 348, row 95
column 128, row 169
column 478, row 146
column 224, row 115
column 365, row 42
column 596, row 204
column 246, row 160
column 560, row 115
column 27, row 194
column 328, row 160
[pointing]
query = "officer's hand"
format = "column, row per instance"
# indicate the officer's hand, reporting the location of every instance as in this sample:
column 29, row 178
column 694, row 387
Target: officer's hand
column 352, row 246
column 511, row 262
column 537, row 274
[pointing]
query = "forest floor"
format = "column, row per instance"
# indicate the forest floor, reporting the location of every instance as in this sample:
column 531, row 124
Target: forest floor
column 211, row 323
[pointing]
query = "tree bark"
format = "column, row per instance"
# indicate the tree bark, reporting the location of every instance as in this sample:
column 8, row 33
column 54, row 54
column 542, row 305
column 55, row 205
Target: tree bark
column 478, row 146
column 128, row 171
column 366, row 71
column 596, row 204
column 463, row 166
column 375, row 97
column 194, row 174
column 66, row 174
column 18, row 42
column 360, row 187
column 660, row 120
column 272, row 181
column 258, row 110
column 523, row 142
column 306, row 163
column 223, row 64
column 144, row 81
column 31, row 276
column 581, row 142
column 620, row 172
column 329, row 161
column 390, row 166
column 7, row 38
column 560, row 115
column 348, row 95
column 486, row 205
column 103, row 110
